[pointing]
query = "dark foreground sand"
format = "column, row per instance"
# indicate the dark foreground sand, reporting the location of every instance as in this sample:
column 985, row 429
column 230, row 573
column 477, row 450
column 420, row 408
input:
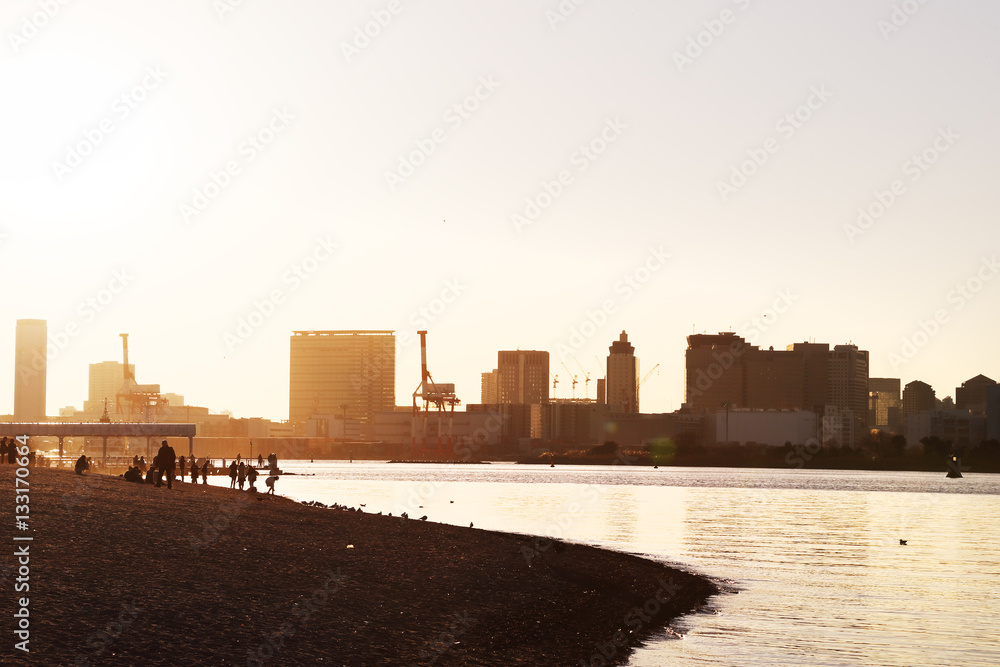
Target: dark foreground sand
column 128, row 574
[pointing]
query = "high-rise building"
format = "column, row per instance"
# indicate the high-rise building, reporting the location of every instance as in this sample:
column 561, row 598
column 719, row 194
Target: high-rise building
column 623, row 377
column 917, row 397
column 351, row 374
column 489, row 395
column 884, row 404
column 522, row 377
column 714, row 371
column 30, row 349
column 105, row 382
column 848, row 386
column 724, row 371
column 972, row 394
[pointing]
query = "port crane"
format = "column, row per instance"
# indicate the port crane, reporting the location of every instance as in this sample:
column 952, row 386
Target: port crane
column 442, row 396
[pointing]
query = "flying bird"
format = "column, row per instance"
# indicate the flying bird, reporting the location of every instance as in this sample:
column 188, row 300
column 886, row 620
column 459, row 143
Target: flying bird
column 903, row 542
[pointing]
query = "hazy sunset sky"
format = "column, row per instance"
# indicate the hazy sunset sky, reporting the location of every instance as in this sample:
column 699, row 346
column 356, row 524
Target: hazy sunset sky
column 614, row 122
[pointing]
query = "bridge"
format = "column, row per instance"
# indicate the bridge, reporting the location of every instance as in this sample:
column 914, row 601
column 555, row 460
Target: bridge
column 103, row 430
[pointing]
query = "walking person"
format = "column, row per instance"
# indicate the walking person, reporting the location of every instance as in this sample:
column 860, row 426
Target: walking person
column 194, row 471
column 204, row 472
column 232, row 475
column 241, row 475
column 183, row 464
column 166, row 461
column 252, row 477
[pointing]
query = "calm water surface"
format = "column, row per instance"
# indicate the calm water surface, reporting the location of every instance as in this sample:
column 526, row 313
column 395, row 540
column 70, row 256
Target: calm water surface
column 810, row 560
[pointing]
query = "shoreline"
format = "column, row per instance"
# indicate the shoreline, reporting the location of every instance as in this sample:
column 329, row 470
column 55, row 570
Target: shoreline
column 124, row 573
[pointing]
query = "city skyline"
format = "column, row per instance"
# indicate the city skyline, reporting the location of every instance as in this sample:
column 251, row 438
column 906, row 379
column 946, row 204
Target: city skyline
column 505, row 177
column 942, row 391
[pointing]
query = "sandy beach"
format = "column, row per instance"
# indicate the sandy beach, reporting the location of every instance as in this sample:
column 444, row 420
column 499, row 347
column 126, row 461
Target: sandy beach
column 130, row 574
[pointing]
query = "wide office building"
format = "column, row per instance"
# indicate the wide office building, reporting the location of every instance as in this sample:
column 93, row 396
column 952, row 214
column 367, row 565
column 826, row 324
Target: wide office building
column 351, row 374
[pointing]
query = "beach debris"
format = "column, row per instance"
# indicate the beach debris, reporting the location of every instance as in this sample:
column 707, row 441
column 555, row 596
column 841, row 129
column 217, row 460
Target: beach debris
column 405, row 515
column 350, row 546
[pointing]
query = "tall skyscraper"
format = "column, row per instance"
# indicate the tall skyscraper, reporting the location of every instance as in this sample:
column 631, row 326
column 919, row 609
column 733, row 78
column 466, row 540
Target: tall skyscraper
column 343, row 373
column 31, row 340
column 848, row 385
column 522, row 377
column 623, row 376
column 106, row 380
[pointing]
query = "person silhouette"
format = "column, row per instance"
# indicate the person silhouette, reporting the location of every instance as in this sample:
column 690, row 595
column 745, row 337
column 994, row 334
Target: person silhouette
column 241, row 475
column 232, row 475
column 194, row 471
column 166, row 460
column 252, row 477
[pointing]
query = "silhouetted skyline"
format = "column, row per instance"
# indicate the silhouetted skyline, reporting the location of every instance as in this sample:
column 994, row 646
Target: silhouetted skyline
column 504, row 176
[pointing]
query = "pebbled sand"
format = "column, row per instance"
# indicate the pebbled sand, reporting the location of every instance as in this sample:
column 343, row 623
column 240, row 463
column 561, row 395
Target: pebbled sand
column 128, row 574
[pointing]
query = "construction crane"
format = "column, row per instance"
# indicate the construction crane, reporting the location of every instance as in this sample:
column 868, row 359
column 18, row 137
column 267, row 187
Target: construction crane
column 643, row 380
column 555, row 381
column 600, row 365
column 572, row 376
column 586, row 378
column 441, row 395
column 646, row 377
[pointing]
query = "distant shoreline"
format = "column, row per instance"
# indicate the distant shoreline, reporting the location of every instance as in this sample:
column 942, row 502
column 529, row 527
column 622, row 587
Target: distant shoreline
column 217, row 576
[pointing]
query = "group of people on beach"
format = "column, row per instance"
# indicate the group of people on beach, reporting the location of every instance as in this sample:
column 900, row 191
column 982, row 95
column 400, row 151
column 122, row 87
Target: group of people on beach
column 165, row 463
column 241, row 472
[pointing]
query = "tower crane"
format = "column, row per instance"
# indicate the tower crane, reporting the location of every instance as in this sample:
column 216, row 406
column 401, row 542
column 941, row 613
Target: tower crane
column 646, row 377
column 575, row 381
column 555, row 381
column 586, row 378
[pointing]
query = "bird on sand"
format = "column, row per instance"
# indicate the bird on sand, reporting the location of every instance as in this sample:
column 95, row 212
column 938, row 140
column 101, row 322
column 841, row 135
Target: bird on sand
column 470, row 524
column 423, row 518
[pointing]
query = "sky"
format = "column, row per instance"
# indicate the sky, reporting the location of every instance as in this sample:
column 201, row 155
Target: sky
column 211, row 175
